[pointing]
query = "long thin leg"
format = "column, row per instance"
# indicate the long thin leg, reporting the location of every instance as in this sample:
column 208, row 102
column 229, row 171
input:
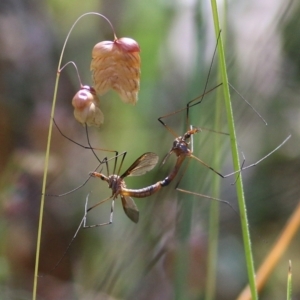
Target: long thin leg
column 206, row 83
column 191, row 103
column 121, row 164
column 182, row 109
column 70, row 192
column 92, row 149
column 82, row 224
column 260, row 160
column 259, row 115
column 201, row 98
column 209, row 130
column 102, row 224
column 123, row 154
column 88, row 140
column 209, row 167
column 243, row 168
column 105, row 160
column 67, row 249
column 77, row 188
column 197, row 194
column 208, row 197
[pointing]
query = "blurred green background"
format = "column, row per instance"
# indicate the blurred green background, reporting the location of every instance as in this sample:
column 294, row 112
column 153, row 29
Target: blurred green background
column 124, row 260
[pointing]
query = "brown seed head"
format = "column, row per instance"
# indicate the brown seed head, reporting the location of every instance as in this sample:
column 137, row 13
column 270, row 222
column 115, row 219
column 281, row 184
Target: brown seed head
column 86, row 108
column 116, row 65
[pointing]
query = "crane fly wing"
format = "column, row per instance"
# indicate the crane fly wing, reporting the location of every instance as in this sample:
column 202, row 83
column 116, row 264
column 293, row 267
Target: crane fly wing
column 130, row 208
column 143, row 164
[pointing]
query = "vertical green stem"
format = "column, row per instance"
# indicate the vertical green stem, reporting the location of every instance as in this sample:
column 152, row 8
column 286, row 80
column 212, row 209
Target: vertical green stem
column 214, row 213
column 212, row 250
column 214, row 208
column 235, row 156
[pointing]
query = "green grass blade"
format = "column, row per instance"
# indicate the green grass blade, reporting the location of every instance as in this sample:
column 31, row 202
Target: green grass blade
column 214, row 212
column 235, row 156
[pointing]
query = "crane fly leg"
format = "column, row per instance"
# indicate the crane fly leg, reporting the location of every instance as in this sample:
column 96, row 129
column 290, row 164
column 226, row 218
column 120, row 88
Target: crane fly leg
column 94, row 206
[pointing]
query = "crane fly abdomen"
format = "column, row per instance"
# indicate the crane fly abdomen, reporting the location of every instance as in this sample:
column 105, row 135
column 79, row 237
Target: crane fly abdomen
column 144, row 192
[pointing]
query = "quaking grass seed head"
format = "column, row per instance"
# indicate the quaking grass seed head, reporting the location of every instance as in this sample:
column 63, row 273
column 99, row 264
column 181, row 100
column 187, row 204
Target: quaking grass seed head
column 86, row 107
column 116, row 65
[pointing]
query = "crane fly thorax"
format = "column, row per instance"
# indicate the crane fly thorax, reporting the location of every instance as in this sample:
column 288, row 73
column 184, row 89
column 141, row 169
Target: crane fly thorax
column 180, row 146
column 116, row 184
column 113, row 181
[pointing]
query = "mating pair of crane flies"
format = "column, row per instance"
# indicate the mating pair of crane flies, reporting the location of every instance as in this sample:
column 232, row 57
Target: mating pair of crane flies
column 143, row 164
column 147, row 162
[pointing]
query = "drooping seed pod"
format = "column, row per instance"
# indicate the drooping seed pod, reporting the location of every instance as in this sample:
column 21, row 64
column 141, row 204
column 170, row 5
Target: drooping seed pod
column 86, row 107
column 116, row 65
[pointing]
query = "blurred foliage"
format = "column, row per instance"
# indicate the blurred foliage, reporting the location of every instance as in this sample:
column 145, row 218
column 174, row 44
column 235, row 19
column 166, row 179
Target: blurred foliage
column 124, row 260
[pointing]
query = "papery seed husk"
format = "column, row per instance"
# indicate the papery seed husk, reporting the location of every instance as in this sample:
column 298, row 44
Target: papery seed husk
column 116, row 65
column 86, row 108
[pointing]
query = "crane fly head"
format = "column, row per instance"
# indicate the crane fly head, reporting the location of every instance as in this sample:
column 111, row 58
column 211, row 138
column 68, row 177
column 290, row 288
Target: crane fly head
column 189, row 133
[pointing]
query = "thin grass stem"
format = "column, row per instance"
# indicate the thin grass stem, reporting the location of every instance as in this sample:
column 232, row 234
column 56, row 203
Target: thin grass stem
column 214, row 213
column 289, row 282
column 235, row 156
column 35, row 280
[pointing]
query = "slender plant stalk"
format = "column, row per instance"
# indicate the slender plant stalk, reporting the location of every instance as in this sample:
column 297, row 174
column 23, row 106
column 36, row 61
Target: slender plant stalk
column 35, row 280
column 214, row 216
column 289, row 282
column 215, row 206
column 235, row 156
column 288, row 233
column 43, row 191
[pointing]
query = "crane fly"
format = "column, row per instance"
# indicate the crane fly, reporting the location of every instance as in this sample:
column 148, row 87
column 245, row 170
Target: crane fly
column 206, row 91
column 181, row 149
column 143, row 164
column 116, row 183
